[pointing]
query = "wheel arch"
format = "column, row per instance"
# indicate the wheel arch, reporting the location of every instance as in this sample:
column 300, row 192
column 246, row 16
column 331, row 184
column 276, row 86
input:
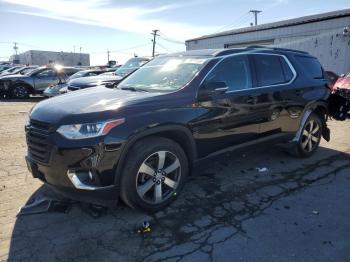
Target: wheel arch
column 178, row 133
column 320, row 108
column 17, row 83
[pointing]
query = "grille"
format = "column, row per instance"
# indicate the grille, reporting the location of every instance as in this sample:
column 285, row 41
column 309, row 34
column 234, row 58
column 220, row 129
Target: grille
column 37, row 141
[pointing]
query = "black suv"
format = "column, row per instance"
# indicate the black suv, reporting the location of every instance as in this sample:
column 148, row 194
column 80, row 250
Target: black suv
column 140, row 140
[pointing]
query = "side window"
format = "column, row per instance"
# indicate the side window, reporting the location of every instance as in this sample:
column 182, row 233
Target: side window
column 311, row 66
column 234, row 71
column 271, row 70
column 47, row 73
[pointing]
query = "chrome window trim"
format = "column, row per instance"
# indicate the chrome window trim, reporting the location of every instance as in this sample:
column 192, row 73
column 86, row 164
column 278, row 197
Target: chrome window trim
column 289, row 65
column 256, row 87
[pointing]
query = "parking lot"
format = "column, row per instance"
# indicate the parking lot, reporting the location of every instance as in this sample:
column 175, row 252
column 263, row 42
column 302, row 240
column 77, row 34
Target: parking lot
column 295, row 210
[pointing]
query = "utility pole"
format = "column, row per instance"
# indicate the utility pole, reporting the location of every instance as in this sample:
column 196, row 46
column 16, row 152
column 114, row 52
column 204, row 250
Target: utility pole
column 154, row 40
column 108, row 55
column 79, row 55
column 15, row 48
column 255, row 12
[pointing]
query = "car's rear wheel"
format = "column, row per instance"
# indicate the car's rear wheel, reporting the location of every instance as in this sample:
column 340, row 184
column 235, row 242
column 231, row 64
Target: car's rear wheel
column 310, row 137
column 154, row 173
column 20, row 92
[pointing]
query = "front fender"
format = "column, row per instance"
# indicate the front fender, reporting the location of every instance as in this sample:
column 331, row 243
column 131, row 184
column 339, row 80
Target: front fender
column 127, row 145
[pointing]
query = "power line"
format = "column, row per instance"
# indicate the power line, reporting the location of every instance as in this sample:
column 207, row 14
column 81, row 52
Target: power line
column 235, row 22
column 120, row 50
column 165, row 48
column 169, row 39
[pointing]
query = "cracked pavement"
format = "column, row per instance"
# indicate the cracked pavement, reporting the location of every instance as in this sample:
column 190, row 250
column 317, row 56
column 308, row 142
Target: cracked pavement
column 229, row 211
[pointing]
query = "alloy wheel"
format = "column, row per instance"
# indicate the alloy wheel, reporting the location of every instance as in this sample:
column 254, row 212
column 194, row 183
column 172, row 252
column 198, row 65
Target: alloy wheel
column 311, row 136
column 158, row 177
column 20, row 92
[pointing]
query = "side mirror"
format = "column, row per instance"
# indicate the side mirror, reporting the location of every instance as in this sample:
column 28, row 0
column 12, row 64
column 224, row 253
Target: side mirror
column 211, row 88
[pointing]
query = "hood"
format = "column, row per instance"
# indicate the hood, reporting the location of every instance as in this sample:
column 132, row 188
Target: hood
column 84, row 82
column 94, row 103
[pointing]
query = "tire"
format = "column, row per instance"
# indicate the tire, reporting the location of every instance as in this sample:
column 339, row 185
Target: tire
column 310, row 137
column 149, row 184
column 20, row 91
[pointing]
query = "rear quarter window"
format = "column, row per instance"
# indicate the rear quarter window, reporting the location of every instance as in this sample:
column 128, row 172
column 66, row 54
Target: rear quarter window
column 271, row 70
column 311, row 65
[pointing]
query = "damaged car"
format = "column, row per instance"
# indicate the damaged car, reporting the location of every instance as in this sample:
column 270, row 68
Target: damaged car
column 140, row 140
column 35, row 82
column 339, row 101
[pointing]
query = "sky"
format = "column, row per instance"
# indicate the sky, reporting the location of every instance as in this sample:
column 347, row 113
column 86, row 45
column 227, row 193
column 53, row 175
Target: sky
column 124, row 26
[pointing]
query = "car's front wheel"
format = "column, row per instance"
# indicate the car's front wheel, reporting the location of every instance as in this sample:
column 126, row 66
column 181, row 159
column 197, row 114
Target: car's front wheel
column 20, row 92
column 154, row 173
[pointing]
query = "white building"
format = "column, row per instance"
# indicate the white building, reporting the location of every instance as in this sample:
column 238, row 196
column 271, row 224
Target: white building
column 325, row 36
column 37, row 57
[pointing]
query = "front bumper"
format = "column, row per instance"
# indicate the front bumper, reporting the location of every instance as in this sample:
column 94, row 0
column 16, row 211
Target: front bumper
column 4, row 88
column 80, row 172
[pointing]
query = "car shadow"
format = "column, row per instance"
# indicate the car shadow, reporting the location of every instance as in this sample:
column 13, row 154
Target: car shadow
column 225, row 192
column 33, row 99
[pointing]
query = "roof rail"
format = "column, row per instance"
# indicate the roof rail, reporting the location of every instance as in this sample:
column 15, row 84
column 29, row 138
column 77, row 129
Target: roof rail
column 277, row 49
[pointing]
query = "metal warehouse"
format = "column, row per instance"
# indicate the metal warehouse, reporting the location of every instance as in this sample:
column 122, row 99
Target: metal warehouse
column 326, row 36
column 38, row 57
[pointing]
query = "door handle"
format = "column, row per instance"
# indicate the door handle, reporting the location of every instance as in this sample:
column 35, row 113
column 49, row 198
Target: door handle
column 252, row 100
column 299, row 92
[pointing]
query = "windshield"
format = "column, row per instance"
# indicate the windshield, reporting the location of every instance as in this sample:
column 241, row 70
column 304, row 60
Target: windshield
column 33, row 72
column 165, row 74
column 27, row 70
column 12, row 69
column 77, row 75
column 130, row 66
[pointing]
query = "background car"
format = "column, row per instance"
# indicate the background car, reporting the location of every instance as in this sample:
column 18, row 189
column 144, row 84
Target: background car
column 60, row 88
column 5, row 67
column 332, row 77
column 35, row 82
column 343, row 82
column 10, row 70
column 340, row 99
column 18, row 70
column 108, row 79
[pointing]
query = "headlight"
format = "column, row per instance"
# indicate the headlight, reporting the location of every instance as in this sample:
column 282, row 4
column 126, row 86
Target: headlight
column 63, row 90
column 81, row 131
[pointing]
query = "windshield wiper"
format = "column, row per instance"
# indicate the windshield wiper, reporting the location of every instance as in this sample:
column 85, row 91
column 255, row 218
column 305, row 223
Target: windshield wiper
column 131, row 88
